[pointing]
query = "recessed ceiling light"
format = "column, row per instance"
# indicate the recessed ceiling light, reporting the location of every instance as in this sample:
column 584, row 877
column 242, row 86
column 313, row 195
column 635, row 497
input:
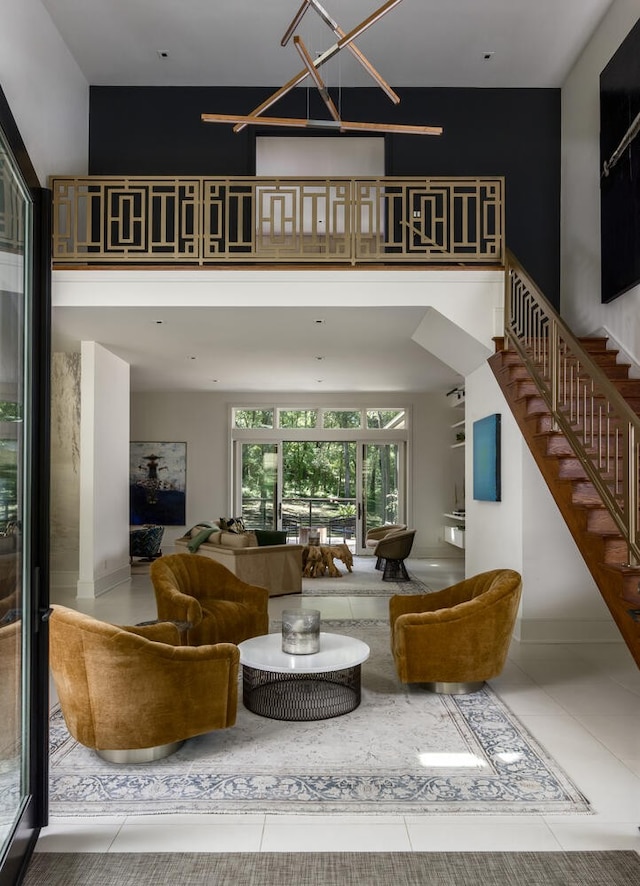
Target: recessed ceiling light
column 319, row 380
column 488, row 55
column 159, row 322
column 163, row 53
column 318, row 322
column 319, row 358
column 191, row 358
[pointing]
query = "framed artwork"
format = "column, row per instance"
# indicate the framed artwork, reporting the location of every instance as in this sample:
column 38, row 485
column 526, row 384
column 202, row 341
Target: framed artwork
column 620, row 168
column 157, row 483
column 486, row 458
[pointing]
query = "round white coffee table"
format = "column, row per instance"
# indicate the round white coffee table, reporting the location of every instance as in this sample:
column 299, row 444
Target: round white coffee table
column 282, row 686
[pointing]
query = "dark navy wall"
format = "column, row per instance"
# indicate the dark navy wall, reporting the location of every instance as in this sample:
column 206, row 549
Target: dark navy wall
column 509, row 132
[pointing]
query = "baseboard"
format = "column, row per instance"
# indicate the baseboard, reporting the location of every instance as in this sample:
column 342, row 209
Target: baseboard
column 95, row 588
column 566, row 630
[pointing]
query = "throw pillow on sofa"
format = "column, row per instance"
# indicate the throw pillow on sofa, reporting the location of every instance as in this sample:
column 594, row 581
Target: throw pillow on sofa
column 231, row 524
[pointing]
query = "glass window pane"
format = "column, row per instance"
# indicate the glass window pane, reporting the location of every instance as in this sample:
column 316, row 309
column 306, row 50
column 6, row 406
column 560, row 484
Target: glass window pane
column 298, row 418
column 15, row 225
column 342, row 418
column 386, row 419
column 259, row 484
column 381, row 482
column 253, row 418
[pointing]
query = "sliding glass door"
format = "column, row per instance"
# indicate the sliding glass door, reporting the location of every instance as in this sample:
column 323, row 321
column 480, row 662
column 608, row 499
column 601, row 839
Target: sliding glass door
column 23, row 548
column 259, row 471
column 342, row 488
column 382, row 473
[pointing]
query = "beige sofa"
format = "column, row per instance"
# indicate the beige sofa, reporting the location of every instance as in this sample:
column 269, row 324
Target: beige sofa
column 278, row 568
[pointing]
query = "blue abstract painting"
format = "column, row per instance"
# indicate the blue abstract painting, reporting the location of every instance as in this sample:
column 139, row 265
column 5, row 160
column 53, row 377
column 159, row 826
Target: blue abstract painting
column 486, row 458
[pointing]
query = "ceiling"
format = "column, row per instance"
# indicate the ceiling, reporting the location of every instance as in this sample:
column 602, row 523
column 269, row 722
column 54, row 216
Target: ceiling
column 442, row 43
column 261, row 349
column 237, row 42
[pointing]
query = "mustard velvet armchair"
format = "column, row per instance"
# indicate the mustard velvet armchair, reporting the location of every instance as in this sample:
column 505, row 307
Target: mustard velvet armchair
column 131, row 693
column 217, row 606
column 10, row 674
column 455, row 639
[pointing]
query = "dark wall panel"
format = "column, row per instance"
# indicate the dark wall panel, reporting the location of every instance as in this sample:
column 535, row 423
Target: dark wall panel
column 510, row 132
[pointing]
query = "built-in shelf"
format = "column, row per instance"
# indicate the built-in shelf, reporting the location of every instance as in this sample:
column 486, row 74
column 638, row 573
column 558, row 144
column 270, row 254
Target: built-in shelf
column 454, row 535
column 454, row 529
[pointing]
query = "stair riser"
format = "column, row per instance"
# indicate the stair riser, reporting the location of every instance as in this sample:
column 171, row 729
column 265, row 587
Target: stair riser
column 601, row 522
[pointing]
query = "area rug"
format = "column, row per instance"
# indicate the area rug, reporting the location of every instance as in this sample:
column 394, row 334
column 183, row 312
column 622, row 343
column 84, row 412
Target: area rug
column 605, row 868
column 364, row 581
column 403, row 751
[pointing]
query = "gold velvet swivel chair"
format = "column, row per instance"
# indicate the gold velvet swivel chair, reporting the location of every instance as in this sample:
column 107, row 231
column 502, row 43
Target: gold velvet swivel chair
column 455, row 639
column 392, row 551
column 132, row 693
column 10, row 674
column 215, row 605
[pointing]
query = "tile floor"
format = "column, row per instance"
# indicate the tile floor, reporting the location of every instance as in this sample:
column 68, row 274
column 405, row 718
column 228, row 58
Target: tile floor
column 581, row 702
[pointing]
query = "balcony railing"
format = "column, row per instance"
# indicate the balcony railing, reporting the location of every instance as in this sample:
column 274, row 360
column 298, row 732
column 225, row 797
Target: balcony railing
column 205, row 221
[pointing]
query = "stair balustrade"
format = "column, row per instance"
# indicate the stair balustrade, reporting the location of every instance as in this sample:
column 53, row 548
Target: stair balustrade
column 589, row 408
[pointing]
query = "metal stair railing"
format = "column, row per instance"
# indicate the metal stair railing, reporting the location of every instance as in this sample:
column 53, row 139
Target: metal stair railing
column 600, row 425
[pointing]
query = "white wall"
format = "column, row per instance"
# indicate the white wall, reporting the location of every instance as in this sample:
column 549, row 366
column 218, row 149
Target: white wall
column 525, row 532
column 202, row 420
column 580, row 207
column 104, row 471
column 46, row 90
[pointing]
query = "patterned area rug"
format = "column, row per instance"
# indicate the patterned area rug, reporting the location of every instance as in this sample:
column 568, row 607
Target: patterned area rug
column 364, row 581
column 403, row 751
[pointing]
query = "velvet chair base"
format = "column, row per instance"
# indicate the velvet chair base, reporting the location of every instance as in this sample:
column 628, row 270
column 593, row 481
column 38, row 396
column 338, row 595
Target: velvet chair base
column 141, row 755
column 395, row 570
column 454, row 688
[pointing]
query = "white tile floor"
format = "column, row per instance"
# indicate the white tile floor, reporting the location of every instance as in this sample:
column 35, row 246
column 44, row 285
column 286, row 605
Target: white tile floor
column 581, row 702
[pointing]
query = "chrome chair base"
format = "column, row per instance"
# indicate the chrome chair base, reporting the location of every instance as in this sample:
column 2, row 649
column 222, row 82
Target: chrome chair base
column 454, row 688
column 141, row 755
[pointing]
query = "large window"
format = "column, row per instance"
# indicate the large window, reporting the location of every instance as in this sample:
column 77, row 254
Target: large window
column 343, row 470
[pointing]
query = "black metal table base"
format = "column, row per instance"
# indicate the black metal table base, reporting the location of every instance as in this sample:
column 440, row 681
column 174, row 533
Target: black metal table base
column 287, row 696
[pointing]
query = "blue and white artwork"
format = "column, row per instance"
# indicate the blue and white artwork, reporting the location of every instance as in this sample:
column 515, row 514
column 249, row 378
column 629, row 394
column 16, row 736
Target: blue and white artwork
column 157, row 485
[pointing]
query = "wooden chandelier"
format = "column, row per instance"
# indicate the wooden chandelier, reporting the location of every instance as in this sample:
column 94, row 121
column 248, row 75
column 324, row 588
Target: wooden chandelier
column 345, row 41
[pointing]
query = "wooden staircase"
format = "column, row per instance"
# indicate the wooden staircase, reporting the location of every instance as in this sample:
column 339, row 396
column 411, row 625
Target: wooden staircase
column 595, row 532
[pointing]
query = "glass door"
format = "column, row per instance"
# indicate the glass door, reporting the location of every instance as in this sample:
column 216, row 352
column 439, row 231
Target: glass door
column 259, row 468
column 319, row 489
column 23, row 482
column 381, row 476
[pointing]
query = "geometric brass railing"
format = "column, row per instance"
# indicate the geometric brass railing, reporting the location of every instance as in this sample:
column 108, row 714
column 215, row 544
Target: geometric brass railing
column 213, row 220
column 601, row 427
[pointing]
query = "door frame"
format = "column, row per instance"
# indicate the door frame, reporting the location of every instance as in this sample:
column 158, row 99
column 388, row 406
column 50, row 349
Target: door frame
column 33, row 813
column 361, row 437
